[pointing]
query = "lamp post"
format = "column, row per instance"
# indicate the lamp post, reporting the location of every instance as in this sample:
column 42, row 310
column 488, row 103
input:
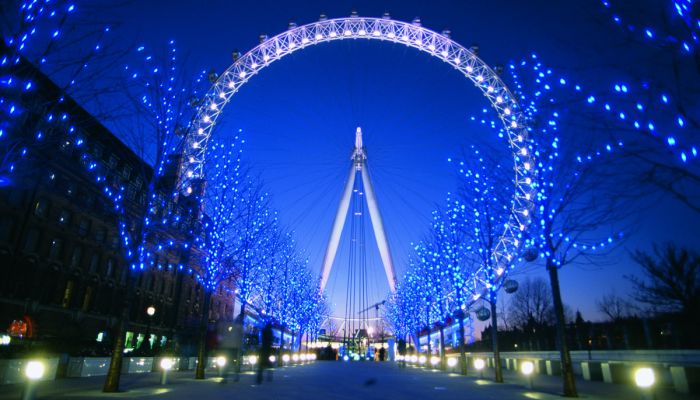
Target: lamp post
column 150, row 311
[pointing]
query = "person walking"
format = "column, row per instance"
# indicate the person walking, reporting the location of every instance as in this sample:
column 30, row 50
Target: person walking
column 265, row 352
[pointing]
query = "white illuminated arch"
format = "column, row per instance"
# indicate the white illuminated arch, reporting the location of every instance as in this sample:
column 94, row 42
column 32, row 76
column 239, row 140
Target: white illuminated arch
column 408, row 34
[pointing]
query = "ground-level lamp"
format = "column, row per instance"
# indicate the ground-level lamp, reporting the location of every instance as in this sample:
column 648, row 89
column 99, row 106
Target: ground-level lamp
column 479, row 365
column 644, row 379
column 150, row 311
column 34, row 371
column 221, row 363
column 527, row 368
column 166, row 364
column 452, row 362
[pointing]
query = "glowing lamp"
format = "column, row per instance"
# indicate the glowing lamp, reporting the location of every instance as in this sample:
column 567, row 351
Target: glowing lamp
column 151, row 311
column 346, row 358
column 272, row 359
column 434, row 360
column 221, row 361
column 285, row 358
column 34, row 370
column 295, row 358
column 422, row 359
column 644, row 377
column 451, row 362
column 302, row 357
column 479, row 364
column 527, row 367
column 252, row 360
column 414, row 358
column 166, row 364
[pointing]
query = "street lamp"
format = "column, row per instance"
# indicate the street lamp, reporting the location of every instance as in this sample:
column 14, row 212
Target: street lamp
column 150, row 311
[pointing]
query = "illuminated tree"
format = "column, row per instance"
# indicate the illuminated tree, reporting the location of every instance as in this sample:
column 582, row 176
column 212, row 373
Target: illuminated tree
column 214, row 238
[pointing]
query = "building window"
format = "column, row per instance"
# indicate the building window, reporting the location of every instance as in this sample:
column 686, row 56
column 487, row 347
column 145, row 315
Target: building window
column 113, row 161
column 84, row 227
column 115, row 242
column 32, row 240
column 64, row 217
column 94, row 262
column 101, row 235
column 56, row 248
column 109, row 268
column 76, row 257
column 41, row 208
column 126, row 172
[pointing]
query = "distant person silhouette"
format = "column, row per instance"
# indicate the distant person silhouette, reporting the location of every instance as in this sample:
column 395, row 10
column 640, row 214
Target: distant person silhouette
column 265, row 352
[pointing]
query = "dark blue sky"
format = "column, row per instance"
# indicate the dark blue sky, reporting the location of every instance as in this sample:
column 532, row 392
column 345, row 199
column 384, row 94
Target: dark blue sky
column 299, row 115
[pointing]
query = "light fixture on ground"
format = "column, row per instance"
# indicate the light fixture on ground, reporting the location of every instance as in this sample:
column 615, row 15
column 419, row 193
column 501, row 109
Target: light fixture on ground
column 295, row 358
column 34, row 371
column 166, row 365
column 422, row 360
column 479, row 365
column 452, row 362
column 527, row 368
column 644, row 379
column 150, row 311
column 285, row 358
column 434, row 361
column 220, row 362
column 272, row 359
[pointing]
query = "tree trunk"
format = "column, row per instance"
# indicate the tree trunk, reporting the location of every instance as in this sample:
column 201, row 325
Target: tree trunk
column 443, row 362
column 498, row 373
column 567, row 371
column 203, row 326
column 462, row 355
column 119, row 334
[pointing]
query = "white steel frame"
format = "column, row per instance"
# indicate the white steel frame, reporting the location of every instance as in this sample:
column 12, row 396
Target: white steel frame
column 411, row 35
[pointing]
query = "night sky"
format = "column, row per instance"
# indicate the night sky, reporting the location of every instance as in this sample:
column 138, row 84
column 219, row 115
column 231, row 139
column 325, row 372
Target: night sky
column 299, row 115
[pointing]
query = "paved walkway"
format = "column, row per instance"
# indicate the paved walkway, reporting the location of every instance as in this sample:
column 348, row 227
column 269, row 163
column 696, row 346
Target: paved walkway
column 331, row 380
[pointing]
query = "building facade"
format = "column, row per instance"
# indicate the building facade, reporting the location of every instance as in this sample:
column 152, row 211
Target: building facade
column 62, row 267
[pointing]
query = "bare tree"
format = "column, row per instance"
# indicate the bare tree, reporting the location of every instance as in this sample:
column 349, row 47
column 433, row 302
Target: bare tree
column 670, row 280
column 614, row 306
column 532, row 303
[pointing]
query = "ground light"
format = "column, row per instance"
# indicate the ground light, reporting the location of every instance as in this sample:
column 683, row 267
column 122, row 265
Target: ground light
column 414, row 359
column 451, row 362
column 644, row 378
column 285, row 359
column 527, row 368
column 34, row 370
column 479, row 364
column 295, row 358
column 221, row 363
column 422, row 360
column 166, row 365
column 272, row 359
column 434, row 361
column 346, row 358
